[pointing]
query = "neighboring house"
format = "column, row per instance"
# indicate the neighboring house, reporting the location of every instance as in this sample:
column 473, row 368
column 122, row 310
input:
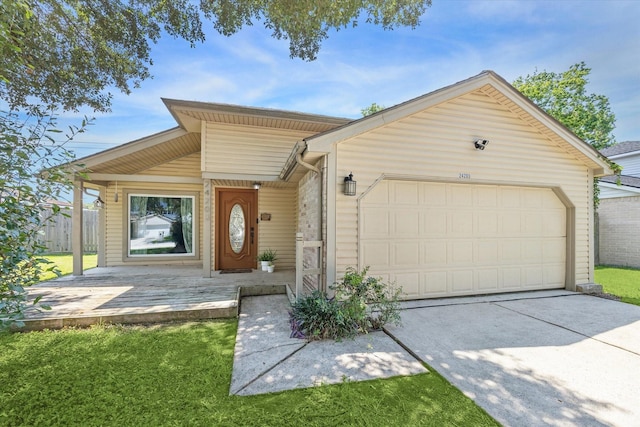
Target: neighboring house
column 619, row 209
column 470, row 189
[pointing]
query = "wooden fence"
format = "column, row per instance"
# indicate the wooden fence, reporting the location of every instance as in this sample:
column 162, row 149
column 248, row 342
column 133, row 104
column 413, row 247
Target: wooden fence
column 56, row 235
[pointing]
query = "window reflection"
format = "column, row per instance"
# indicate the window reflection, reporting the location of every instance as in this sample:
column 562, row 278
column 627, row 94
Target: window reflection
column 160, row 225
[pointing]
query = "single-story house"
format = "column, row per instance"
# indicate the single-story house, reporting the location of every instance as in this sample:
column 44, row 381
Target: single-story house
column 469, row 189
column 619, row 209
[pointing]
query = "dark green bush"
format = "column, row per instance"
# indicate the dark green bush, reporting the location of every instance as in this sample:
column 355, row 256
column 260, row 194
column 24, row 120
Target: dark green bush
column 360, row 304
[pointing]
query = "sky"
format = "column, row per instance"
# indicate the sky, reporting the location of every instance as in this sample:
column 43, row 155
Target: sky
column 358, row 66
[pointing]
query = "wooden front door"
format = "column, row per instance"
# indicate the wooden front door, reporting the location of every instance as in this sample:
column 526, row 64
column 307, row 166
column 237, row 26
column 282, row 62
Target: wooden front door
column 236, row 228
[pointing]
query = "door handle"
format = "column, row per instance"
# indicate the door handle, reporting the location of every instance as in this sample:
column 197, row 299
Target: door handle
column 251, row 232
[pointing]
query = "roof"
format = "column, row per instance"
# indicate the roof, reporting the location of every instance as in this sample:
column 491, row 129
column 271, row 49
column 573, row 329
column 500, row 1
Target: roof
column 621, row 148
column 145, row 153
column 322, row 131
column 625, row 180
column 488, row 82
column 189, row 114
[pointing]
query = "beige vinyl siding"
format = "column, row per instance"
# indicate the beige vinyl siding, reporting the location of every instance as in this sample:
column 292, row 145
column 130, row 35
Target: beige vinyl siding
column 188, row 166
column 115, row 213
column 437, row 145
column 280, row 232
column 249, row 150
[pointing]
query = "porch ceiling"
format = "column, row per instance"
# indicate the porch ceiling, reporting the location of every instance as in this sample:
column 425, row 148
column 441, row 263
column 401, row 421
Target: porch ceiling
column 147, row 157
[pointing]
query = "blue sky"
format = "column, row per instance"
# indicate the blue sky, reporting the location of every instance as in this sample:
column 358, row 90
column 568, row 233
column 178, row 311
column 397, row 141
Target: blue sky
column 457, row 39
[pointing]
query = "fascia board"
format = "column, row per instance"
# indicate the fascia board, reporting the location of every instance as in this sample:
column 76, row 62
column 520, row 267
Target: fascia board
column 129, row 148
column 622, row 155
column 322, row 143
column 599, row 166
column 620, row 187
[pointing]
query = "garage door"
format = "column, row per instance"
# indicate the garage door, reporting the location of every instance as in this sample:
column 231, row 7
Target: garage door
column 442, row 239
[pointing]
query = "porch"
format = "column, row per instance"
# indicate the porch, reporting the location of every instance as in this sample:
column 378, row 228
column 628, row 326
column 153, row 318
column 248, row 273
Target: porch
column 145, row 294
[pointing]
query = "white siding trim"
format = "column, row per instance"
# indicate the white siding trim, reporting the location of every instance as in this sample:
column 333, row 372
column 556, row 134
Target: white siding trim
column 206, row 228
column 591, row 229
column 239, row 177
column 76, row 229
column 144, row 178
column 617, row 190
column 102, row 228
column 203, row 145
column 331, row 261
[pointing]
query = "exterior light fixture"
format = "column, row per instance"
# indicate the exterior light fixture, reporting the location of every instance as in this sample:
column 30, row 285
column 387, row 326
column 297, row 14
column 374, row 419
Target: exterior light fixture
column 349, row 185
column 256, row 185
column 99, row 203
column 480, row 144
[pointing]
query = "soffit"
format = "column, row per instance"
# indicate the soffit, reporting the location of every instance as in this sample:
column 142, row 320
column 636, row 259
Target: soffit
column 579, row 149
column 148, row 157
column 190, row 114
column 488, row 83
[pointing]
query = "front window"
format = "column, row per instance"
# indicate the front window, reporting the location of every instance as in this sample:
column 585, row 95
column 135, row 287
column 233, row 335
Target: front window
column 161, row 225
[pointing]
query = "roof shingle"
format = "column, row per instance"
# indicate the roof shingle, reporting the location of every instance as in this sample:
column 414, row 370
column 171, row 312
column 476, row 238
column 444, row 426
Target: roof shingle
column 621, row 148
column 626, row 180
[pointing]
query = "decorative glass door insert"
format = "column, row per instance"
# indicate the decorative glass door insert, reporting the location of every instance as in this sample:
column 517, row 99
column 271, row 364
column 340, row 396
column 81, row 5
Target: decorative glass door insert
column 237, row 228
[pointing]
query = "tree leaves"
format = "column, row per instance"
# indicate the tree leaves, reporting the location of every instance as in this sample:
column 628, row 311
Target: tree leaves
column 71, row 53
column 25, row 193
column 564, row 96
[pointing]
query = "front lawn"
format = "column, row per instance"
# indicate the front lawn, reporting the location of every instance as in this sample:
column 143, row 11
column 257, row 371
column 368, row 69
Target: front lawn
column 64, row 262
column 621, row 282
column 179, row 374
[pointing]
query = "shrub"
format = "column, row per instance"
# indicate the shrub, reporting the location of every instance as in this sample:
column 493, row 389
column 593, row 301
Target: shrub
column 318, row 317
column 360, row 304
column 373, row 302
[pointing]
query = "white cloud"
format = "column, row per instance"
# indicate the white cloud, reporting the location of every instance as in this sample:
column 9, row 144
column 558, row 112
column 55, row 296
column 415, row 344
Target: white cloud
column 363, row 65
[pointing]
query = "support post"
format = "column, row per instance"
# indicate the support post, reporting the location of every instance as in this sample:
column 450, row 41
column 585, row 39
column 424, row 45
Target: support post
column 206, row 229
column 77, row 240
column 299, row 264
column 102, row 227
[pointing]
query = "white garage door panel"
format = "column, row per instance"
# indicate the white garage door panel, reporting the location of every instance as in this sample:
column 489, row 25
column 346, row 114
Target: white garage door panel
column 439, row 239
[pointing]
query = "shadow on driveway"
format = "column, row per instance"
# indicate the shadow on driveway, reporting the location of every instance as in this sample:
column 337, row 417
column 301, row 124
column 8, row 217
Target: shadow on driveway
column 568, row 359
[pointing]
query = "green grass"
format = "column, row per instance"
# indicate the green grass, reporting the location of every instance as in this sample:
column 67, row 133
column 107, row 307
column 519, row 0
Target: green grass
column 64, row 262
column 179, row 374
column 621, row 282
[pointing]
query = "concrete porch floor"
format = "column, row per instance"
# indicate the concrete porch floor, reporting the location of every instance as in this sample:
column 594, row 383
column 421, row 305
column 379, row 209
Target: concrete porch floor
column 140, row 294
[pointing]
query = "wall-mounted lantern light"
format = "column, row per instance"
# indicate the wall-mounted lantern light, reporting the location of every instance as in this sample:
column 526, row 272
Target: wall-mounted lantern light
column 480, row 144
column 256, row 185
column 349, row 185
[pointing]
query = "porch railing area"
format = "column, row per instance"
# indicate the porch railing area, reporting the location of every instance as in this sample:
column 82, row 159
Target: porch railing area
column 305, row 267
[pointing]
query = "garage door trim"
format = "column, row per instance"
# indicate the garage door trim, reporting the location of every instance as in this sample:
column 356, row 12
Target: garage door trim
column 569, row 273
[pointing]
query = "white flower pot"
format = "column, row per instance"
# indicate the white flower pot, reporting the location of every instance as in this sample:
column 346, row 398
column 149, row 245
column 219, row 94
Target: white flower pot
column 264, row 265
column 270, row 268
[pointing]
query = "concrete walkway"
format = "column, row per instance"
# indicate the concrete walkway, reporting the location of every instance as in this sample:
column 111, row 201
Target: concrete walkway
column 267, row 360
column 550, row 358
column 536, row 359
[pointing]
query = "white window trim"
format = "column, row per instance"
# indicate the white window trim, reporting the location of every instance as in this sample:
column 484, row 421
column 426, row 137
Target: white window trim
column 128, row 256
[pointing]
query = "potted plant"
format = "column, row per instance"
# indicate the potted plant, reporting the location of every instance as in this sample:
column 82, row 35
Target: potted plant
column 270, row 267
column 266, row 257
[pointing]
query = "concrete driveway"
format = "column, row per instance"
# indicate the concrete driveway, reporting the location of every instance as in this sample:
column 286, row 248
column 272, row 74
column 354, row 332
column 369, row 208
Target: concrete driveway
column 542, row 358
